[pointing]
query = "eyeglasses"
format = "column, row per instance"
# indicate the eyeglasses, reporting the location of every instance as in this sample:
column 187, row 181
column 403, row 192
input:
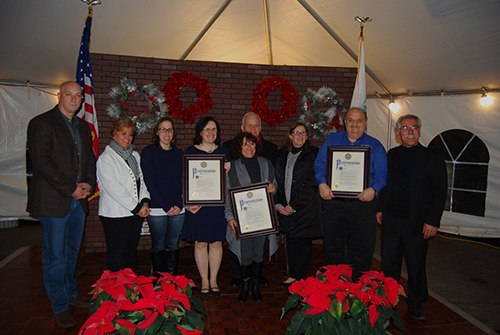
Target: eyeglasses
column 210, row 130
column 301, row 133
column 166, row 130
column 406, row 128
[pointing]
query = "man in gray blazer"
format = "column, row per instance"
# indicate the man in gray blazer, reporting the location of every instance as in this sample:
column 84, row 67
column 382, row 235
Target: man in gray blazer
column 60, row 148
column 410, row 209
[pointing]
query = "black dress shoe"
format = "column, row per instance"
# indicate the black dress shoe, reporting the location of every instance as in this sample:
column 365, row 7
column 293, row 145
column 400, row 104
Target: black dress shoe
column 418, row 313
column 235, row 282
column 215, row 292
column 264, row 282
column 204, row 293
column 286, row 285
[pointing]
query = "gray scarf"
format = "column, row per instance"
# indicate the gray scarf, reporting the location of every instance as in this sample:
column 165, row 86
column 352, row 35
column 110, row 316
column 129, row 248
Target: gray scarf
column 126, row 154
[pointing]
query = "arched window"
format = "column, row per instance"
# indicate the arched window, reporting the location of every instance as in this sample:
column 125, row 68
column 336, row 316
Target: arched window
column 467, row 159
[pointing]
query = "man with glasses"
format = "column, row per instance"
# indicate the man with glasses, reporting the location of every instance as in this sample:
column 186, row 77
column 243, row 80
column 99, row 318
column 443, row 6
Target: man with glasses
column 351, row 221
column 412, row 205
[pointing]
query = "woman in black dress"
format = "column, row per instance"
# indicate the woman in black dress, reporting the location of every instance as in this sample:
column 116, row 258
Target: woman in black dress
column 206, row 226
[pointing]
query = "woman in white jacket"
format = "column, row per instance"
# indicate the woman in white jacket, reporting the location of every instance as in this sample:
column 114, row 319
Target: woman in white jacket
column 124, row 198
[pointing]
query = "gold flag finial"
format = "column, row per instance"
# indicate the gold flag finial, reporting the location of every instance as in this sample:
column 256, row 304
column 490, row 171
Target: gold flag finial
column 91, row 4
column 362, row 21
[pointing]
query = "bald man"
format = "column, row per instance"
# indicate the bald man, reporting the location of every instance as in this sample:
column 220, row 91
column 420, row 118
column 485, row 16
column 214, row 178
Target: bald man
column 60, row 148
column 351, row 221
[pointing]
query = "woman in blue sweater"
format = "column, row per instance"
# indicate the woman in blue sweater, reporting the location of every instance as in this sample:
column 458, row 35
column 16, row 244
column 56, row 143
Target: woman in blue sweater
column 161, row 164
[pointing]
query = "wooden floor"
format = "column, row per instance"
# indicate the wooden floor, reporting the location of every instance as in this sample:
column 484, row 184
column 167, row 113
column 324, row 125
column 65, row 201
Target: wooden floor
column 25, row 308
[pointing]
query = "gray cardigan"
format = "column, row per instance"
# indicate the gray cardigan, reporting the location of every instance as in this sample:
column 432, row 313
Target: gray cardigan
column 239, row 171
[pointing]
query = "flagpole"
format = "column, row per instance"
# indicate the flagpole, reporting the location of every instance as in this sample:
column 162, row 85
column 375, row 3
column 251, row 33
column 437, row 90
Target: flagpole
column 84, row 79
column 359, row 94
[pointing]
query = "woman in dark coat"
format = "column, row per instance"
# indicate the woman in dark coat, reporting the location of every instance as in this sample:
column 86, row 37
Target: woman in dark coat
column 297, row 200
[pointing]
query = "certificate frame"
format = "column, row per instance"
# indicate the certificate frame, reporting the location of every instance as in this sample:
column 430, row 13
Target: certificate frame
column 269, row 223
column 352, row 155
column 215, row 196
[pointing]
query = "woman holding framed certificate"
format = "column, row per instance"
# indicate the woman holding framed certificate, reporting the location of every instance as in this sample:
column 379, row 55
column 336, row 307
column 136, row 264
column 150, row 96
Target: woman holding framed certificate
column 161, row 164
column 206, row 225
column 297, row 200
column 248, row 169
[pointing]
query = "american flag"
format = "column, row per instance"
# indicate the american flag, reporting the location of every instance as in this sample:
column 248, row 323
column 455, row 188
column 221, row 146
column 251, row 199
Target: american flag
column 84, row 79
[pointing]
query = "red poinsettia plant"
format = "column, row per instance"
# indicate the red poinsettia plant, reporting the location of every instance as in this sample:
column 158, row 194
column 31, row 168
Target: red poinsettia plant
column 124, row 303
column 334, row 304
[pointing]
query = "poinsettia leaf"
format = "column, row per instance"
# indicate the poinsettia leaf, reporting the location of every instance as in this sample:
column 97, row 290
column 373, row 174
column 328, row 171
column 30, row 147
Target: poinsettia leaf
column 193, row 320
column 350, row 327
column 299, row 324
column 357, row 306
column 336, row 308
column 155, row 326
column 170, row 328
column 140, row 331
column 291, row 303
column 397, row 320
column 198, row 305
column 123, row 328
column 328, row 322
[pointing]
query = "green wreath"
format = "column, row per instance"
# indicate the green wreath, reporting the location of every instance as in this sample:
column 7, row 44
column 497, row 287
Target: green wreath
column 145, row 118
column 321, row 124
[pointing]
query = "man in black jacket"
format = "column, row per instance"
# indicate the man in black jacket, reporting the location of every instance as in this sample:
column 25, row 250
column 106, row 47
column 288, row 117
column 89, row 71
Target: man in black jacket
column 251, row 124
column 412, row 205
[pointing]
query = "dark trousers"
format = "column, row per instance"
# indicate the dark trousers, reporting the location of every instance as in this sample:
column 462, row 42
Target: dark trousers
column 252, row 250
column 397, row 240
column 349, row 222
column 300, row 256
column 122, row 236
column 234, row 262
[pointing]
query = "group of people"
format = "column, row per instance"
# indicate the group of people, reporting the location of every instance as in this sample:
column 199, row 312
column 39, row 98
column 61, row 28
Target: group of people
column 406, row 196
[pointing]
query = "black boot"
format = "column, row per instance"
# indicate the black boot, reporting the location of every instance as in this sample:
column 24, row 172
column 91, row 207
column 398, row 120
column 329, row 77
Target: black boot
column 256, row 274
column 172, row 261
column 158, row 262
column 246, row 274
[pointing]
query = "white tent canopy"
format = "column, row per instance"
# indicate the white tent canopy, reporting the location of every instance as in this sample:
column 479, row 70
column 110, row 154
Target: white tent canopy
column 416, row 45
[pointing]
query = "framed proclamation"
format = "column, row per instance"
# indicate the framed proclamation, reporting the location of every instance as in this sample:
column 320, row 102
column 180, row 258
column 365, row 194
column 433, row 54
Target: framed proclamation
column 204, row 180
column 348, row 170
column 253, row 210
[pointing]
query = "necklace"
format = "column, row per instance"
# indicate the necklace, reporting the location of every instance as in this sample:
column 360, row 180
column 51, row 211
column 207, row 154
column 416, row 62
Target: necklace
column 209, row 151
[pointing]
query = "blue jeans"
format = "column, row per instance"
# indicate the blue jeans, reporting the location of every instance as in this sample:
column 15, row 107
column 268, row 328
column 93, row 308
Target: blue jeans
column 62, row 238
column 165, row 232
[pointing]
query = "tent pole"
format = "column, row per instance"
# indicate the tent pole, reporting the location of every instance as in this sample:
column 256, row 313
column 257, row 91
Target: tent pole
column 341, row 42
column 268, row 32
column 205, row 30
column 389, row 126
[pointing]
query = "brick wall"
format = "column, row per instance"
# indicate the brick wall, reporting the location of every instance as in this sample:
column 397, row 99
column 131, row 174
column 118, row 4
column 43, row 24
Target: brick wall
column 232, row 88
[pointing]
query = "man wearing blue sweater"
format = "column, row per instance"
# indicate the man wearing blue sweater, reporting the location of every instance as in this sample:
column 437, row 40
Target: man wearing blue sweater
column 345, row 220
